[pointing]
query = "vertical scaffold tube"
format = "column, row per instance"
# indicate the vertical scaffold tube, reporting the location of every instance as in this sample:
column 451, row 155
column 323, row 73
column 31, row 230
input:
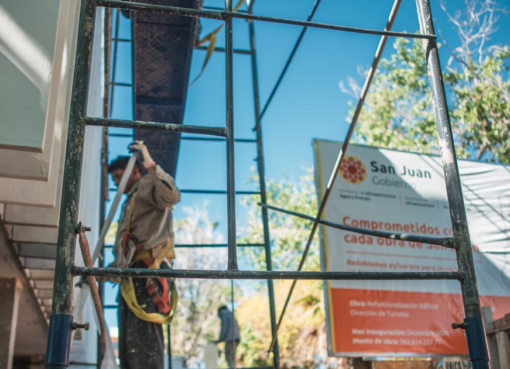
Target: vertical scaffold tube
column 231, row 194
column 475, row 333
column 59, row 337
column 263, row 196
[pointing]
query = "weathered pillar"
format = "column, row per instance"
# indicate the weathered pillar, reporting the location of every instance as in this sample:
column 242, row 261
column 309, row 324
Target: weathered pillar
column 9, row 301
column 358, row 363
column 488, row 321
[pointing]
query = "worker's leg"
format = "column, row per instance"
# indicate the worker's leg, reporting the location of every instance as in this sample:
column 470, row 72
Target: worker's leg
column 144, row 340
column 230, row 354
column 122, row 315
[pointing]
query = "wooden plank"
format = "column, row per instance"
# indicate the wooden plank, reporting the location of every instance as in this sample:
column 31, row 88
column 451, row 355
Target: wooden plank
column 491, row 339
column 503, row 349
column 43, row 285
column 37, row 250
column 22, row 233
column 41, row 274
column 34, row 215
column 44, row 293
column 502, row 323
column 36, row 263
column 10, row 289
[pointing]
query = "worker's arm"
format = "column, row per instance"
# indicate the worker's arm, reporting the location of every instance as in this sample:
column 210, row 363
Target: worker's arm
column 223, row 331
column 157, row 187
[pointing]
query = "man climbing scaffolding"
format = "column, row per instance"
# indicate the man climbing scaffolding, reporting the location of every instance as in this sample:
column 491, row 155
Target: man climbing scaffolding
column 144, row 240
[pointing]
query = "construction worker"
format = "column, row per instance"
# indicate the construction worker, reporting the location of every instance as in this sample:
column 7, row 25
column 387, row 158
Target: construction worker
column 144, row 240
column 229, row 333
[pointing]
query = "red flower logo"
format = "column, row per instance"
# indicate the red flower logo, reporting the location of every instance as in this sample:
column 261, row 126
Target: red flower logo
column 352, row 170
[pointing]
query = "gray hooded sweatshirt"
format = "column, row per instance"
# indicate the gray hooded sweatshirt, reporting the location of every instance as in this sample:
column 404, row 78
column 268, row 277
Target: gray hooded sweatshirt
column 226, row 334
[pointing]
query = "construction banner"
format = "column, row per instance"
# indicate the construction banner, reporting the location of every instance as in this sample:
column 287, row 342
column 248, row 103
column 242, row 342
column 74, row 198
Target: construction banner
column 402, row 192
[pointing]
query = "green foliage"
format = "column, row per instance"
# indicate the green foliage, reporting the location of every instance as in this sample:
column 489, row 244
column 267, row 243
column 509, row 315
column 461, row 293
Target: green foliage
column 398, row 111
column 196, row 322
column 288, row 233
column 481, row 109
column 302, row 336
column 111, row 234
column 253, row 346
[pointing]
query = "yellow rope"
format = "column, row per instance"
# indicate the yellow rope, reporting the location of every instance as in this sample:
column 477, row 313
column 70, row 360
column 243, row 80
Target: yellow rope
column 127, row 288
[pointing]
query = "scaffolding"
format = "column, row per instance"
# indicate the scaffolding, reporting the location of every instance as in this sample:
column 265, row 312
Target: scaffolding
column 61, row 322
column 114, row 39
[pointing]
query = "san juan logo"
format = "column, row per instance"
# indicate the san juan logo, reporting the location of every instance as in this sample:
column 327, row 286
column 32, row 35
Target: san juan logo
column 353, row 170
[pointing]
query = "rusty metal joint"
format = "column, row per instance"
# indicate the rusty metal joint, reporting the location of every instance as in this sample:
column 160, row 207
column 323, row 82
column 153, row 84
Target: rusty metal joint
column 449, row 242
column 459, row 326
column 82, row 228
column 462, row 276
column 226, row 16
column 75, row 325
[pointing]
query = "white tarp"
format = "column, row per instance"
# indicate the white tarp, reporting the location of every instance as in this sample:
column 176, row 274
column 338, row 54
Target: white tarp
column 402, row 192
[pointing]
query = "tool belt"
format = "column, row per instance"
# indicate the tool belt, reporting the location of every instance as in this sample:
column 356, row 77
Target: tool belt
column 165, row 302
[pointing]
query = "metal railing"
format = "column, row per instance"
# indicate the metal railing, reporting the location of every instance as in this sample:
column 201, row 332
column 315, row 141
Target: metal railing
column 61, row 320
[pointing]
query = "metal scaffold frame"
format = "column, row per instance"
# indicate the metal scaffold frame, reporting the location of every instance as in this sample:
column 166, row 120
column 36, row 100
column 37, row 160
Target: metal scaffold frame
column 61, row 322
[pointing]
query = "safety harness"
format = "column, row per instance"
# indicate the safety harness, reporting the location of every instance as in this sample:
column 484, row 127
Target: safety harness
column 166, row 303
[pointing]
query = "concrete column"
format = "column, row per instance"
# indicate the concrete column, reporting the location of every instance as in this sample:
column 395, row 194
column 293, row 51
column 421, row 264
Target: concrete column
column 9, row 301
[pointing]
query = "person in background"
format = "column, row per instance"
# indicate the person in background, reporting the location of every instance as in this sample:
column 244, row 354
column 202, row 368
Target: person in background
column 229, row 334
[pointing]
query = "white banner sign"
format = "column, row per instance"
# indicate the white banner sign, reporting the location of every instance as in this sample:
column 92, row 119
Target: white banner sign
column 405, row 193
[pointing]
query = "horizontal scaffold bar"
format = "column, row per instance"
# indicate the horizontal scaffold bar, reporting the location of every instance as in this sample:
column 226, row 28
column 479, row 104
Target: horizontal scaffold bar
column 207, row 245
column 221, row 9
column 445, row 242
column 205, row 192
column 219, row 15
column 261, row 274
column 218, row 192
column 213, row 245
column 222, row 50
column 169, row 127
column 211, row 139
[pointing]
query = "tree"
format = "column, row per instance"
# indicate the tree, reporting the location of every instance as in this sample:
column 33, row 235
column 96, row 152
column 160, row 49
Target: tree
column 196, row 322
column 288, row 233
column 398, row 112
column 302, row 336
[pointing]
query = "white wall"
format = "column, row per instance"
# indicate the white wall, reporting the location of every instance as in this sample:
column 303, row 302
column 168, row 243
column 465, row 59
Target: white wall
column 37, row 202
column 30, row 134
column 26, row 59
